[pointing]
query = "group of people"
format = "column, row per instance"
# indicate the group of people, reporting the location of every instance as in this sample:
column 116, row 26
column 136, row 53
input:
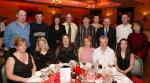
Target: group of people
column 35, row 46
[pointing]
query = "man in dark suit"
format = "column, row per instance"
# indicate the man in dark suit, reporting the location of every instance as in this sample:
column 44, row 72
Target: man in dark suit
column 108, row 31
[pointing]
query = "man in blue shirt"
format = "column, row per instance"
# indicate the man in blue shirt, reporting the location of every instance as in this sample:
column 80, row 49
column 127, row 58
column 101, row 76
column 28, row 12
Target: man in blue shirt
column 17, row 28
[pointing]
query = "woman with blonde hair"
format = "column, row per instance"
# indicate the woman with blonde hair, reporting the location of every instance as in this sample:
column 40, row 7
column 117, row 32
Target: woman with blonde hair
column 43, row 55
column 20, row 66
column 86, row 51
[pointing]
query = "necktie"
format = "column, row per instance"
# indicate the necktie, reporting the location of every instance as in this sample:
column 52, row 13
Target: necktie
column 69, row 31
column 106, row 30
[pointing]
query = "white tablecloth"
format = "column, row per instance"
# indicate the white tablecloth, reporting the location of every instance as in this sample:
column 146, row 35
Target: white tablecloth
column 120, row 78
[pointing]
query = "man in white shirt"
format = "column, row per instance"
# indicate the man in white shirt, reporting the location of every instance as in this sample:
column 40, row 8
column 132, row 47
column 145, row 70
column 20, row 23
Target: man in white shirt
column 71, row 28
column 104, row 55
column 124, row 29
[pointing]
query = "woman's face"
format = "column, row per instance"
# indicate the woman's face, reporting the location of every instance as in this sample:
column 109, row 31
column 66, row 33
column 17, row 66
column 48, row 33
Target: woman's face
column 22, row 47
column 66, row 40
column 123, row 45
column 136, row 28
column 57, row 20
column 87, row 43
column 96, row 19
column 42, row 45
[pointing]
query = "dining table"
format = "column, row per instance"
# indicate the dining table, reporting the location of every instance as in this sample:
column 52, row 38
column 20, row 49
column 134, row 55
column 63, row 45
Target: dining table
column 43, row 76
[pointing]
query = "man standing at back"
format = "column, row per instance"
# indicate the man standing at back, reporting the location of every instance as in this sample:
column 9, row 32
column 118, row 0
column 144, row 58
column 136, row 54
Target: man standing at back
column 71, row 28
column 38, row 29
column 17, row 28
column 124, row 29
column 108, row 31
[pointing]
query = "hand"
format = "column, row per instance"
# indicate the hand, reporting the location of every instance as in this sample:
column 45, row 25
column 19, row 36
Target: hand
column 123, row 72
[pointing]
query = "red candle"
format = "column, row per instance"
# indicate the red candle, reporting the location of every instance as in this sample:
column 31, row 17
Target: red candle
column 77, row 69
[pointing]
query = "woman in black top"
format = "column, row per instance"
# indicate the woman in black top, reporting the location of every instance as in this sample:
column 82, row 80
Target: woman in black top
column 65, row 52
column 124, row 58
column 56, row 31
column 43, row 55
column 20, row 66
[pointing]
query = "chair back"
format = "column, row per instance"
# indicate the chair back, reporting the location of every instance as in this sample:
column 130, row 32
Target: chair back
column 138, row 67
column 3, row 75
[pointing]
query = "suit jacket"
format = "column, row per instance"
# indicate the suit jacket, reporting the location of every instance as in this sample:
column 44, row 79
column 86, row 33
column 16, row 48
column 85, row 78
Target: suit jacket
column 111, row 34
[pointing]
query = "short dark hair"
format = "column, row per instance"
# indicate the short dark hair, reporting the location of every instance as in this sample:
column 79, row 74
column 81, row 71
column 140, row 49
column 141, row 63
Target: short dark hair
column 39, row 12
column 86, row 16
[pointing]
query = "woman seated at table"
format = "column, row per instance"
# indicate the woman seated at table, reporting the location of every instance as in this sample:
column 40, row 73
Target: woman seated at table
column 20, row 66
column 44, row 55
column 124, row 58
column 65, row 52
column 86, row 51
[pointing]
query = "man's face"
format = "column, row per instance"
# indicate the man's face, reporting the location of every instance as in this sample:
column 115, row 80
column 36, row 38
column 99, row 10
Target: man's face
column 68, row 18
column 107, row 22
column 103, row 42
column 39, row 17
column 21, row 16
column 125, row 19
column 86, row 20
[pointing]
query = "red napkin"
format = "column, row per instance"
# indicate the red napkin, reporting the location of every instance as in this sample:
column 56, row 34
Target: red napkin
column 137, row 80
column 55, row 78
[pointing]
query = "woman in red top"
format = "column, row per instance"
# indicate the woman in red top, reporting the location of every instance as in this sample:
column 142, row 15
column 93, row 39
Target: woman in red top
column 138, row 40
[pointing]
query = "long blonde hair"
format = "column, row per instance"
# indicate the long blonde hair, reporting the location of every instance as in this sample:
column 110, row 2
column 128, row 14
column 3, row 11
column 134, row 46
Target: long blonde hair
column 37, row 43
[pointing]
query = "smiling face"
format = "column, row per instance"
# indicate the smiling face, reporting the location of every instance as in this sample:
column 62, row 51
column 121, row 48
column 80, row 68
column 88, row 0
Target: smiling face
column 87, row 42
column 68, row 18
column 86, row 20
column 136, row 28
column 39, row 18
column 123, row 45
column 21, row 16
column 103, row 42
column 21, row 47
column 42, row 45
column 125, row 19
column 96, row 19
column 106, row 22
column 66, row 40
column 57, row 21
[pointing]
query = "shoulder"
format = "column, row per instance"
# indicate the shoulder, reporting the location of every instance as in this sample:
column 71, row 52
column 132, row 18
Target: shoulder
column 97, row 49
column 65, row 23
column 81, row 48
column 92, row 48
column 10, row 59
column 132, row 56
column 130, row 35
column 73, row 24
column 33, row 23
column 110, row 49
column 119, row 26
column 11, row 24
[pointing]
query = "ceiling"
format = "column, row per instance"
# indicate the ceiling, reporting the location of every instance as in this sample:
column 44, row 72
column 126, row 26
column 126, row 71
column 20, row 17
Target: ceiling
column 85, row 3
